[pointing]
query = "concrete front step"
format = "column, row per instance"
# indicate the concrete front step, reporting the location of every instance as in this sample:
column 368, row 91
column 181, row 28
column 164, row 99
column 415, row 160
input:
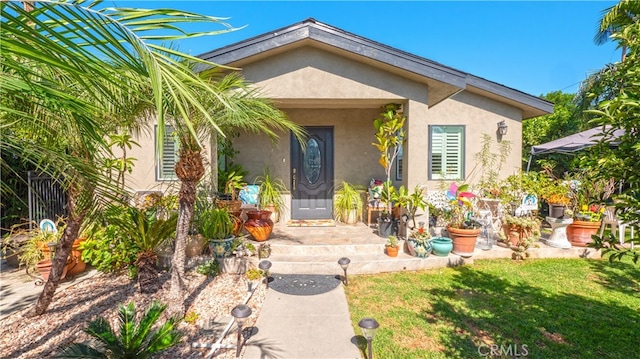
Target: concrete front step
column 360, row 263
column 370, row 258
column 340, row 250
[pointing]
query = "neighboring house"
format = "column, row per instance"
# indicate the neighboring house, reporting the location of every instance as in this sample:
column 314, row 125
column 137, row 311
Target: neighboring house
column 334, row 83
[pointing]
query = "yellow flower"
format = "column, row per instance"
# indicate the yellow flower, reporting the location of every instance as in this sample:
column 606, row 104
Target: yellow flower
column 585, row 207
column 602, row 209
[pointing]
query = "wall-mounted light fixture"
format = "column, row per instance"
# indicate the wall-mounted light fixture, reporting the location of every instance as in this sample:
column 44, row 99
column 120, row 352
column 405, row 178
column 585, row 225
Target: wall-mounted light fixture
column 502, row 128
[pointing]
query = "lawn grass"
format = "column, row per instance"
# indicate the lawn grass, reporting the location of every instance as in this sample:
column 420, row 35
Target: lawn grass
column 558, row 308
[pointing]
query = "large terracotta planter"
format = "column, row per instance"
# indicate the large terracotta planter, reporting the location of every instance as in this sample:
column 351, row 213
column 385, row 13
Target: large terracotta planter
column 75, row 263
column 44, row 268
column 579, row 232
column 259, row 225
column 464, row 240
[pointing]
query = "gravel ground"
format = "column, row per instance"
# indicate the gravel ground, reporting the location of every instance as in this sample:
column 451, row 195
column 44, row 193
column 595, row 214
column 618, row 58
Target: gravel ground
column 74, row 307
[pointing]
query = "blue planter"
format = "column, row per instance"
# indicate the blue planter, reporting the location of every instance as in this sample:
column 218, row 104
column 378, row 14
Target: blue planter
column 420, row 249
column 442, row 246
column 221, row 248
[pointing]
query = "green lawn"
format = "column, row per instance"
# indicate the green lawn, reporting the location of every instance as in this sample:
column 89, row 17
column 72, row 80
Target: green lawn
column 551, row 308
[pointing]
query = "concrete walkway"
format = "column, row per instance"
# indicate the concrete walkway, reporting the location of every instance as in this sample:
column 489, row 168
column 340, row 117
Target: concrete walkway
column 294, row 326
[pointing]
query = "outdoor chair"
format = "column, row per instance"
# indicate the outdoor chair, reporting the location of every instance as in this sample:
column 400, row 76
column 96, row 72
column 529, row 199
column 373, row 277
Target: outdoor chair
column 610, row 219
column 374, row 205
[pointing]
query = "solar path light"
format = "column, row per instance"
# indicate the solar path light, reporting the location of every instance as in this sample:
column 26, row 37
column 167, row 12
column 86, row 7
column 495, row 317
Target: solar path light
column 369, row 327
column 344, row 263
column 241, row 312
column 265, row 265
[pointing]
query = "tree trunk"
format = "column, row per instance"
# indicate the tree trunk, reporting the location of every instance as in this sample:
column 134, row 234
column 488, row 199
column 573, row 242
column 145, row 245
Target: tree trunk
column 214, row 161
column 63, row 250
column 148, row 274
column 189, row 169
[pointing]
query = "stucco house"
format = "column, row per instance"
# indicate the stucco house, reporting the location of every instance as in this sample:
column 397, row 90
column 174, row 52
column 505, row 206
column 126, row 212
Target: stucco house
column 334, row 83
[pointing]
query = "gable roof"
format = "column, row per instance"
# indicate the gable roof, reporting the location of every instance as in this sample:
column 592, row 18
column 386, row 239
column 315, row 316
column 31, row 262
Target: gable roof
column 443, row 80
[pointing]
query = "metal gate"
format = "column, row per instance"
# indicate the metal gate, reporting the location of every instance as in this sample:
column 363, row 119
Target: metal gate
column 47, row 199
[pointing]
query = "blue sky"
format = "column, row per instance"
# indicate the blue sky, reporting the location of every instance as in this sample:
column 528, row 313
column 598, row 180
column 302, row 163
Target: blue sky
column 535, row 47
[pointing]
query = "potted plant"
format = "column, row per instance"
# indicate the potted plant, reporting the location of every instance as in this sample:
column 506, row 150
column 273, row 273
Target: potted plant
column 229, row 199
column 556, row 194
column 419, row 242
column 589, row 197
column 217, row 225
column 38, row 250
column 271, row 190
column 411, row 202
column 519, row 234
column 462, row 227
column 489, row 164
column 348, row 203
column 392, row 246
column 390, row 136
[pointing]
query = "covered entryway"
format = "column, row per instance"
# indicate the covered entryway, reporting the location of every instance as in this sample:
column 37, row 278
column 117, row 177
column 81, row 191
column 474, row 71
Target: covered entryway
column 312, row 175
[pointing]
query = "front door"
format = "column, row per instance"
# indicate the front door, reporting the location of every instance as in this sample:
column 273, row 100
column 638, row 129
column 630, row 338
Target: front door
column 312, row 175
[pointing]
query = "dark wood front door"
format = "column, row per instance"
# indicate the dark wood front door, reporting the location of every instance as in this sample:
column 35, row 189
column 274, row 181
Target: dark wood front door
column 312, row 175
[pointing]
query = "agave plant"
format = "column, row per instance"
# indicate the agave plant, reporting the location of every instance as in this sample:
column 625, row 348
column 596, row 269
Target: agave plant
column 132, row 340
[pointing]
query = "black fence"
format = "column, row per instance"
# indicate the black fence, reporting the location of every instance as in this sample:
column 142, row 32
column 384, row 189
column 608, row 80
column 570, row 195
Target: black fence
column 47, row 199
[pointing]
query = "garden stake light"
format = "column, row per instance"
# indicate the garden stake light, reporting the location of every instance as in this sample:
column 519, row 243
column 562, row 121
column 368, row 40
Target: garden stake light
column 368, row 326
column 344, row 263
column 265, row 265
column 241, row 312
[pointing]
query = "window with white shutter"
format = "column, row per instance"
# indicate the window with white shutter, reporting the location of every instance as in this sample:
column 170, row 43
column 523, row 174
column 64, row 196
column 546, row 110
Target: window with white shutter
column 165, row 164
column 446, row 152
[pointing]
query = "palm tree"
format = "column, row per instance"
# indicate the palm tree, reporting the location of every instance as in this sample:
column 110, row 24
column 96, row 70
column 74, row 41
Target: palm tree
column 616, row 18
column 237, row 106
column 133, row 340
column 69, row 70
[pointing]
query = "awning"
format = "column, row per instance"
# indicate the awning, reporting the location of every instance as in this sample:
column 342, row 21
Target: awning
column 576, row 142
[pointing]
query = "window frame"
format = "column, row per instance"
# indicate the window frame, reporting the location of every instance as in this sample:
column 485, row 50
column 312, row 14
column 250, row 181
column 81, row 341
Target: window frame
column 461, row 156
column 398, row 163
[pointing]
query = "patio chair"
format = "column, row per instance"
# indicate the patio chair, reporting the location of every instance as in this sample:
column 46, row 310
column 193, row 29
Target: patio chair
column 374, row 204
column 610, row 219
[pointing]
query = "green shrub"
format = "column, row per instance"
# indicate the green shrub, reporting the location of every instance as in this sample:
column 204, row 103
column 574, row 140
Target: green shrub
column 132, row 340
column 211, row 268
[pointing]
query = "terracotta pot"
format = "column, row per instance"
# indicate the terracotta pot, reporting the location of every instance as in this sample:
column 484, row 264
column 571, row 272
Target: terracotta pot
column 44, row 268
column 579, row 232
column 238, row 223
column 392, row 251
column 464, row 240
column 275, row 217
column 77, row 265
column 259, row 225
